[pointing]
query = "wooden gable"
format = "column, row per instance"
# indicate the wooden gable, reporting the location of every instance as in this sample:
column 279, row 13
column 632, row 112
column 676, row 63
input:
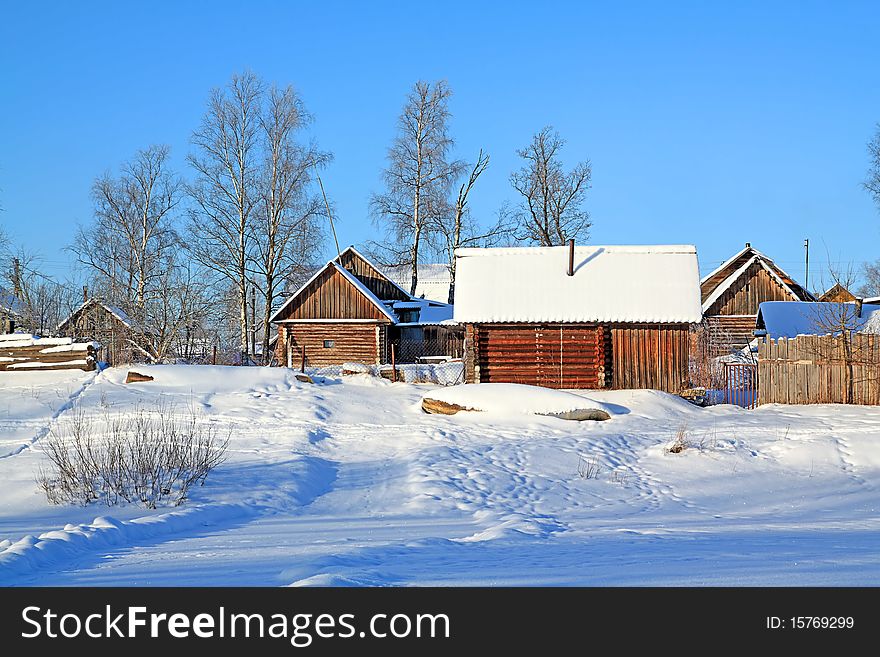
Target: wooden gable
column 753, row 286
column 748, row 292
column 837, row 293
column 374, row 280
column 331, row 296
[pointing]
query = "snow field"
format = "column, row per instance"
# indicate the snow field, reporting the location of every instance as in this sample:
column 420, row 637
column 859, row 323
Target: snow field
column 347, row 482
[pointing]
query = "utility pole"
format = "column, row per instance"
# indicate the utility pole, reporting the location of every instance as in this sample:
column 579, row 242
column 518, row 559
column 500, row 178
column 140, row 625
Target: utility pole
column 807, row 265
column 16, row 278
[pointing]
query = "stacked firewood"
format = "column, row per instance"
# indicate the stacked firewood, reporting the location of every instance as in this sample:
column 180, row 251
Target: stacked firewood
column 22, row 352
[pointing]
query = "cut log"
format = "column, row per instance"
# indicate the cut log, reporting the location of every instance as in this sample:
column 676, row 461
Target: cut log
column 581, row 414
column 443, row 408
column 305, row 378
column 137, row 377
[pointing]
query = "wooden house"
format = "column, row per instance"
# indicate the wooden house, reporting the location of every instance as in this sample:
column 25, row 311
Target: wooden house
column 837, row 293
column 731, row 294
column 122, row 339
column 578, row 317
column 349, row 311
column 11, row 311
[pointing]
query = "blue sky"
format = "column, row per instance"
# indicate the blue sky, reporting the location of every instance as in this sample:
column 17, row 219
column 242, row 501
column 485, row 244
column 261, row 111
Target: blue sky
column 713, row 123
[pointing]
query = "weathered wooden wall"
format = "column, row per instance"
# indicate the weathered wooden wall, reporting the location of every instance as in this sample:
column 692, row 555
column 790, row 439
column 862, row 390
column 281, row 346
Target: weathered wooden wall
column 815, row 370
column 730, row 332
column 358, row 343
column 549, row 355
column 376, row 282
column 331, row 296
column 749, row 292
column 118, row 342
column 650, row 356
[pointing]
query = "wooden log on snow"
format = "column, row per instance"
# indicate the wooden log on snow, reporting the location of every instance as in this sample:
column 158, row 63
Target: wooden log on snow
column 438, row 407
column 137, row 377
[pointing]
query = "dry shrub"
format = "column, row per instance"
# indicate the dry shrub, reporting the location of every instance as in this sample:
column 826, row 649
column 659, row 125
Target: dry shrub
column 151, row 458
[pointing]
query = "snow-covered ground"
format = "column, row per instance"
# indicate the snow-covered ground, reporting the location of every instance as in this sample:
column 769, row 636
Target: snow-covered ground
column 348, row 482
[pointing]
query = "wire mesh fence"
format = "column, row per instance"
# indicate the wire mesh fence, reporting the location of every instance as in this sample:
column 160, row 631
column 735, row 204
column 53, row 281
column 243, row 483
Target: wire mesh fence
column 435, row 360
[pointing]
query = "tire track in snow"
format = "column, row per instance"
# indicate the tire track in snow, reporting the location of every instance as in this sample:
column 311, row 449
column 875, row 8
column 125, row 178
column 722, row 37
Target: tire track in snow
column 66, row 406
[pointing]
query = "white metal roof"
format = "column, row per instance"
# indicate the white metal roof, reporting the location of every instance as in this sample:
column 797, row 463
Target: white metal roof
column 656, row 284
column 788, row 319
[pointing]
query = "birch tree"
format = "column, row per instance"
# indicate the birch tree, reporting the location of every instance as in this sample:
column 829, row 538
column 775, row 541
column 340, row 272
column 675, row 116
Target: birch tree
column 418, row 174
column 872, row 182
column 287, row 228
column 455, row 227
column 227, row 166
column 550, row 211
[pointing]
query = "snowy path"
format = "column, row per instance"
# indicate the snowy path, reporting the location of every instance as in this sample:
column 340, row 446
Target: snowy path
column 349, row 483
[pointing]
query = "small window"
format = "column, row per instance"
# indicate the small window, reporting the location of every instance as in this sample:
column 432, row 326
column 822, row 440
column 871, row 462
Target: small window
column 328, row 344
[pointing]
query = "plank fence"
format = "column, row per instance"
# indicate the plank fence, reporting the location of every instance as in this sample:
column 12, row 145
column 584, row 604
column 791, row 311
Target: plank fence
column 814, row 369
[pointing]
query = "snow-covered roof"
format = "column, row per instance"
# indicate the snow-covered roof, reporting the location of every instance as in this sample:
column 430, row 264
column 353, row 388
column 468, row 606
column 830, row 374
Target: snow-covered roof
column 433, row 283
column 9, row 303
column 658, row 284
column 117, row 312
column 788, row 319
column 430, row 312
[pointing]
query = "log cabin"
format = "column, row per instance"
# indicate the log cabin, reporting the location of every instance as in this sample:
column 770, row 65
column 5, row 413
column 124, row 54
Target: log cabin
column 578, row 317
column 122, row 339
column 349, row 311
column 11, row 311
column 732, row 293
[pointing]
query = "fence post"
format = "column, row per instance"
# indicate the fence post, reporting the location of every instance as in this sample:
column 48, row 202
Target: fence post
column 393, row 365
column 302, row 367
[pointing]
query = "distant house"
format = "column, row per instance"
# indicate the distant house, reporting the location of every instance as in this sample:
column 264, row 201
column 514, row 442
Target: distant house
column 789, row 319
column 731, row 294
column 12, row 310
column 349, row 311
column 578, row 317
column 122, row 339
column 837, row 292
column 434, row 280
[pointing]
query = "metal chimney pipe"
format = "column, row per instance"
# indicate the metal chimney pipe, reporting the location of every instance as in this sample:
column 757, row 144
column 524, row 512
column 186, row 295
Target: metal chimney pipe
column 571, row 257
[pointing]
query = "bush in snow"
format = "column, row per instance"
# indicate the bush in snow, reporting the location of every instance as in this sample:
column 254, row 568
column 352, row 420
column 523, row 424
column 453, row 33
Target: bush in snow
column 149, row 458
column 588, row 468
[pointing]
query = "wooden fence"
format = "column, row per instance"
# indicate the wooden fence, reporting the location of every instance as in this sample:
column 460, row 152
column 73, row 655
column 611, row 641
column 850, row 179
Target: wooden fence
column 20, row 352
column 812, row 369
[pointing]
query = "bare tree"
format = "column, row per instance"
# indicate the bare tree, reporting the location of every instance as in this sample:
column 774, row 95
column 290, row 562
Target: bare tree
column 418, row 175
column 872, row 182
column 225, row 192
column 286, row 231
column 870, row 276
column 131, row 249
column 454, row 228
column 41, row 301
column 551, row 209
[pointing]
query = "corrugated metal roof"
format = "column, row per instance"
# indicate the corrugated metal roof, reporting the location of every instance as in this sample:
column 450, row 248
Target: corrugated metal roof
column 657, row 284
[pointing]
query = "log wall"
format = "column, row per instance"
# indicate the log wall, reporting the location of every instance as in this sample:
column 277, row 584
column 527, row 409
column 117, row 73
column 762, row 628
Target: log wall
column 549, row 355
column 352, row 342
